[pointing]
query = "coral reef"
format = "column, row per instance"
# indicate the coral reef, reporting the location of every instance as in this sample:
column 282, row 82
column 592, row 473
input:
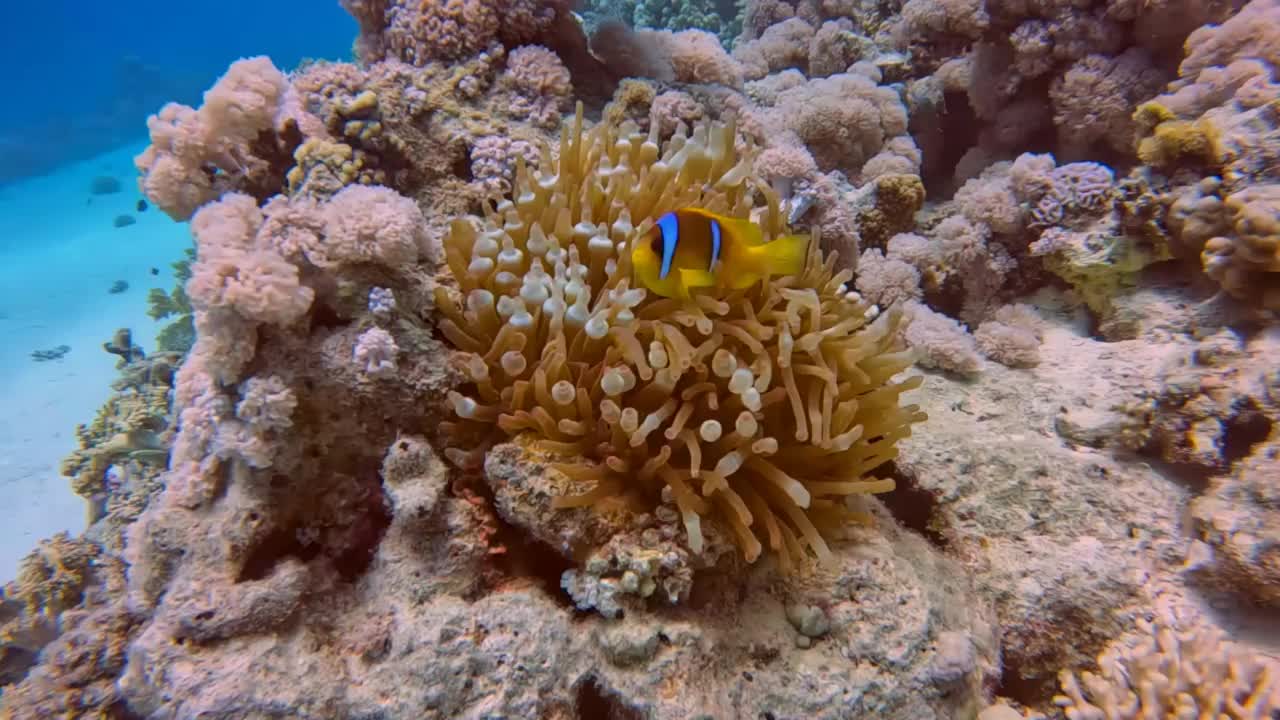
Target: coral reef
column 124, row 449
column 418, row 445
column 241, row 138
column 657, row 409
column 1173, row 670
column 1215, row 130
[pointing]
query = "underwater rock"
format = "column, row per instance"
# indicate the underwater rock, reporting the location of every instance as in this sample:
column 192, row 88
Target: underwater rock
column 1054, row 535
column 104, row 185
column 117, row 287
column 56, row 353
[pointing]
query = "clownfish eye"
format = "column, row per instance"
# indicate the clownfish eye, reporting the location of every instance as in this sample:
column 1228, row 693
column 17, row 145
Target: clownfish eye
column 656, row 244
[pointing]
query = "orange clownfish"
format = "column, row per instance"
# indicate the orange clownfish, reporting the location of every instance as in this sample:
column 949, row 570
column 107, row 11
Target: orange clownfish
column 692, row 248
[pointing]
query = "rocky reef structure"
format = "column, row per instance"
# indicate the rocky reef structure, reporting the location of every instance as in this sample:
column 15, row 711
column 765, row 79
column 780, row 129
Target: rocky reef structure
column 1006, row 448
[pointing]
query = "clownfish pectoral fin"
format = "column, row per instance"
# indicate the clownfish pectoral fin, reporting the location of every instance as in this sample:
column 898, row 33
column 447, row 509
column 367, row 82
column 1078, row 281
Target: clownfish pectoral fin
column 785, row 255
column 696, row 278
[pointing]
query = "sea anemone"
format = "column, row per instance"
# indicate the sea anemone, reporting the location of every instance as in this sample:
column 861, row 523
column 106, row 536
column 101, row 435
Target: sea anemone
column 761, row 410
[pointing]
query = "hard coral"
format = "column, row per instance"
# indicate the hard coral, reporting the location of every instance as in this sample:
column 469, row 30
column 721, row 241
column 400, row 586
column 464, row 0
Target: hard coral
column 418, row 31
column 1246, row 262
column 1172, row 141
column 1214, row 133
column 666, row 401
column 1173, row 671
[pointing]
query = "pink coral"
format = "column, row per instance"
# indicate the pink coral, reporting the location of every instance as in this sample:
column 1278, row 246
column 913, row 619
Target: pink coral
column 1012, row 336
column 222, row 137
column 835, row 218
column 534, row 70
column 540, row 85
column 1032, row 44
column 886, row 281
column 765, row 90
column 493, row 161
column 698, row 57
column 899, row 156
column 782, row 46
column 760, row 15
column 939, row 341
column 989, row 199
column 981, row 266
column 917, row 250
column 370, row 225
column 673, row 107
column 375, row 353
column 924, row 19
column 235, row 272
column 1094, row 100
column 785, row 163
column 834, row 48
column 844, row 119
column 419, row 31
column 1254, row 32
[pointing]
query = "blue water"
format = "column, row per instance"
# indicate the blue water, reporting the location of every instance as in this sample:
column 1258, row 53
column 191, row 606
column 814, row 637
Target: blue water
column 82, row 76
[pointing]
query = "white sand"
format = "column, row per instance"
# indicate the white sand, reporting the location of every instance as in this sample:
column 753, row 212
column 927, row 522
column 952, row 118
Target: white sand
column 59, row 253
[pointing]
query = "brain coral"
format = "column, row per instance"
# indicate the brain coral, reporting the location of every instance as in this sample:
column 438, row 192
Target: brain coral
column 760, row 411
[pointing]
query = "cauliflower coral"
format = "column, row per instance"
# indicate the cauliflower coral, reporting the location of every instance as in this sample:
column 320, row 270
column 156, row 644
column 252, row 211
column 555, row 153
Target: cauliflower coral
column 761, row 411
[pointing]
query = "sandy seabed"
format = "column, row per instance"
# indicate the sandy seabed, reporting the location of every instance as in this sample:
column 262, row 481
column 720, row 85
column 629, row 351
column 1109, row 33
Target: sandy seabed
column 59, row 255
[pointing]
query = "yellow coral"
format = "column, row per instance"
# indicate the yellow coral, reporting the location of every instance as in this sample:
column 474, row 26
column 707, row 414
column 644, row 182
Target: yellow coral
column 763, row 409
column 126, row 426
column 53, row 577
column 1174, row 141
column 631, row 100
column 1100, row 266
column 1150, row 114
column 1247, row 263
column 897, row 198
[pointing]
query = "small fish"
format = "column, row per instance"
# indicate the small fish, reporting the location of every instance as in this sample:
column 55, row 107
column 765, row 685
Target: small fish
column 692, row 248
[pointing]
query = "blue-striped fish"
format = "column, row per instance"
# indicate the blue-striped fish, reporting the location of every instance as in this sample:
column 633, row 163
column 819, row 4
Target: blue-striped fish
column 692, row 248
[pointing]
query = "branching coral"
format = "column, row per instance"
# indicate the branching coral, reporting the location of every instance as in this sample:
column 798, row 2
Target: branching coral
column 123, row 448
column 1173, row 671
column 763, row 410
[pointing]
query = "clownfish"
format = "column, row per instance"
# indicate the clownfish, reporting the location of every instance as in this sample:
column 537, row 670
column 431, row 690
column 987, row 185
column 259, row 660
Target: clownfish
column 692, row 247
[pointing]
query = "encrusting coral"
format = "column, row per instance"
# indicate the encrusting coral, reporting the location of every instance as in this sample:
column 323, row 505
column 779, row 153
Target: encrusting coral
column 764, row 409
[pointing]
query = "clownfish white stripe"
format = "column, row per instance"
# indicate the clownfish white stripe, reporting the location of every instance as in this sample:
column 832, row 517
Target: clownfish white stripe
column 670, row 227
column 715, row 244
